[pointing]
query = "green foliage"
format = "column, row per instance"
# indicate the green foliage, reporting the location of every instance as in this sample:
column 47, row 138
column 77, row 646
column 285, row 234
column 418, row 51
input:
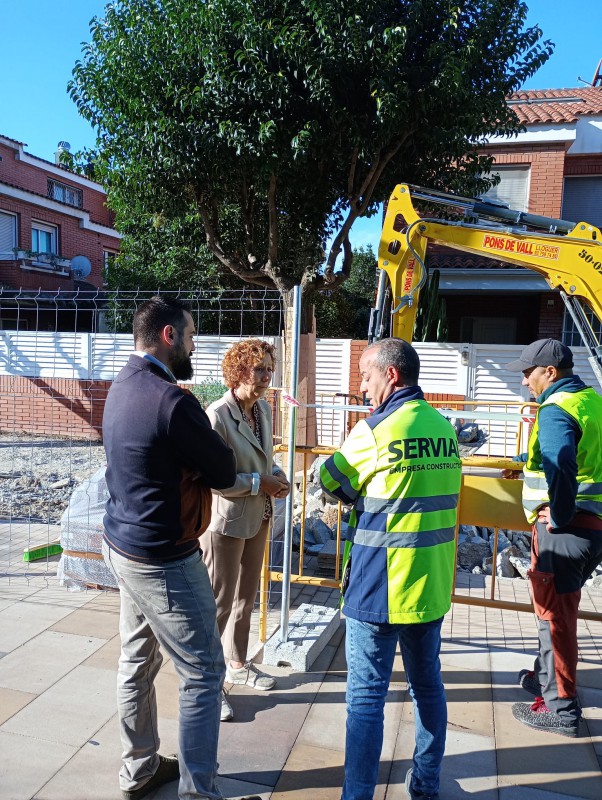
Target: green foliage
column 161, row 253
column 431, row 317
column 208, row 390
column 345, row 314
column 277, row 123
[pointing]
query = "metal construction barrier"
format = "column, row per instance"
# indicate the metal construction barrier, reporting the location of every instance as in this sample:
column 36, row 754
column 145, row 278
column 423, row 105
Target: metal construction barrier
column 486, row 500
column 504, row 425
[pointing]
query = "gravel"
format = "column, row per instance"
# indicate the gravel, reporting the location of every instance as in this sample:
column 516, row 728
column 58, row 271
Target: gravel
column 38, row 475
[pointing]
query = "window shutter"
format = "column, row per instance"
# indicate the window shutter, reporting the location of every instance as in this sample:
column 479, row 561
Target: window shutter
column 582, row 201
column 8, row 231
column 513, row 189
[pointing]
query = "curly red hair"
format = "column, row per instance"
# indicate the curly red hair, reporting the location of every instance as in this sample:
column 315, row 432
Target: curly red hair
column 242, row 357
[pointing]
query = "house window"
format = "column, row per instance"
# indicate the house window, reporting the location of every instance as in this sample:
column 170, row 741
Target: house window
column 108, row 259
column 8, row 234
column 582, row 200
column 570, row 334
column 64, row 193
column 513, row 188
column 44, row 238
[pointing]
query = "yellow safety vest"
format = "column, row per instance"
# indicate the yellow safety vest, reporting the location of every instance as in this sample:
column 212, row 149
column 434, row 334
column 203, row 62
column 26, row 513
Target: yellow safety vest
column 585, row 407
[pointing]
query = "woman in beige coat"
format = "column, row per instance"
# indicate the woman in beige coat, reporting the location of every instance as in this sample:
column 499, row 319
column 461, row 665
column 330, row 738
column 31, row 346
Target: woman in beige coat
column 234, row 543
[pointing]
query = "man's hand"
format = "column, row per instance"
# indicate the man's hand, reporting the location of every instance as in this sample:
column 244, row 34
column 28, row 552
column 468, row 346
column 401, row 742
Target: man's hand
column 513, row 474
column 274, row 485
column 543, row 517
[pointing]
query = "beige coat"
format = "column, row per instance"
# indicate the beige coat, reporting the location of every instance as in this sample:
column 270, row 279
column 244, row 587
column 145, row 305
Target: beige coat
column 234, row 511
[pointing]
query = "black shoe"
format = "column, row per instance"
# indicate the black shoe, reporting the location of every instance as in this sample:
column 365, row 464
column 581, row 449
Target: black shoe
column 167, row 771
column 540, row 717
column 413, row 794
column 530, row 682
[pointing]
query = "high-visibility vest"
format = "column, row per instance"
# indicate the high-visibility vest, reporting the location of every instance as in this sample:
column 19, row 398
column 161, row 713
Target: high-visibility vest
column 405, row 472
column 585, row 407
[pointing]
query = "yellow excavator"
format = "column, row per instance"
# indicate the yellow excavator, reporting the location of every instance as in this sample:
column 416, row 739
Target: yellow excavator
column 567, row 254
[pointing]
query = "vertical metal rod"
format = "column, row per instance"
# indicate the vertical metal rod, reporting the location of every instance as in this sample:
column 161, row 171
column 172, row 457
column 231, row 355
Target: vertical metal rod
column 264, row 590
column 292, row 440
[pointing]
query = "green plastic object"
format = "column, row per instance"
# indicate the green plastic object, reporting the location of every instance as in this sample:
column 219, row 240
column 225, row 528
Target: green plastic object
column 42, row 551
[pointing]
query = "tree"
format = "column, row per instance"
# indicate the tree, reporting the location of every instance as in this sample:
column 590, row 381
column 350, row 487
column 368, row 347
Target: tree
column 279, row 122
column 345, row 313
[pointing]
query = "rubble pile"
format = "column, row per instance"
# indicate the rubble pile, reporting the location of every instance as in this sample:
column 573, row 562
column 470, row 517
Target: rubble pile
column 38, row 475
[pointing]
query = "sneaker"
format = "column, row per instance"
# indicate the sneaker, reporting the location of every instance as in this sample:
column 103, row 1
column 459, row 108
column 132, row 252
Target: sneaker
column 167, row 771
column 413, row 794
column 539, row 716
column 529, row 682
column 249, row 675
column 227, row 712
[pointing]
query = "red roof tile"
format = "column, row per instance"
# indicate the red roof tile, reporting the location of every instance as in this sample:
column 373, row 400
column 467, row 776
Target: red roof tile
column 542, row 106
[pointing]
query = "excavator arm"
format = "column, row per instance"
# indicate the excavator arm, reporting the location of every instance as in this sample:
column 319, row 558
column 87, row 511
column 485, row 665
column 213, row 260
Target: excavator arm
column 567, row 254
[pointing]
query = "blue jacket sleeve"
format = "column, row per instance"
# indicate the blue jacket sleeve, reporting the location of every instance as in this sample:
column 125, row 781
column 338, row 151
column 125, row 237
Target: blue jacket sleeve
column 559, row 435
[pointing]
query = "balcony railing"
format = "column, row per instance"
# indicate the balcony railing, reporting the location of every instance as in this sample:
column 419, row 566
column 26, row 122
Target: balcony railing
column 53, row 262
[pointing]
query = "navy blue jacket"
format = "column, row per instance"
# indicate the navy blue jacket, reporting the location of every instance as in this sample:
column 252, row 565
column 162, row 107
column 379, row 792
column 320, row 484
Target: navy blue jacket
column 163, row 458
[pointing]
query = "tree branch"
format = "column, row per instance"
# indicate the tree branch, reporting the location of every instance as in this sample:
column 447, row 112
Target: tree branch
column 273, row 226
column 351, row 176
column 215, row 246
column 358, row 205
column 248, row 201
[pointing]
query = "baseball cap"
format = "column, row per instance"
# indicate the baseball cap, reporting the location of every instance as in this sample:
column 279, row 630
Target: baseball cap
column 543, row 353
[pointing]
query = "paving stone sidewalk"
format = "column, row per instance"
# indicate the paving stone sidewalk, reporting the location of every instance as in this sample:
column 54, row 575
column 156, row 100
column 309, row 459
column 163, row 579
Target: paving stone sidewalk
column 59, row 737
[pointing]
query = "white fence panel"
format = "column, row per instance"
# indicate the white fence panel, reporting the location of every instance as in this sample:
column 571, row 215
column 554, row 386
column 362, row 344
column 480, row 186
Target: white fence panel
column 491, row 381
column 332, row 378
column 441, row 368
column 38, row 354
column 109, row 353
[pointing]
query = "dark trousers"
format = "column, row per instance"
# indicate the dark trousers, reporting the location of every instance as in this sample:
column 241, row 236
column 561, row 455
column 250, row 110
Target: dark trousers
column 561, row 562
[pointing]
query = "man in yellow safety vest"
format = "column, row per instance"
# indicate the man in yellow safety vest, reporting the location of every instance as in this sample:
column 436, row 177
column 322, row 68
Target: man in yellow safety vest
column 401, row 471
column 562, row 498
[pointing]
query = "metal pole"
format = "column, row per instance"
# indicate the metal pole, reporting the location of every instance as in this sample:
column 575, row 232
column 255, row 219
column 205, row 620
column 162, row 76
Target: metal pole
column 292, row 440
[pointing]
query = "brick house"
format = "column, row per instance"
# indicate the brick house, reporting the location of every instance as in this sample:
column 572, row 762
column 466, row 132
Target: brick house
column 55, row 234
column 553, row 168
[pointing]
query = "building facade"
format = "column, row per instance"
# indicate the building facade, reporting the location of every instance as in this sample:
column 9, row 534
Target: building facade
column 553, row 168
column 56, row 232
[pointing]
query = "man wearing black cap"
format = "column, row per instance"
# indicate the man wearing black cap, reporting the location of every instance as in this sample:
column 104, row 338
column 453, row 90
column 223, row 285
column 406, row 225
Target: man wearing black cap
column 562, row 498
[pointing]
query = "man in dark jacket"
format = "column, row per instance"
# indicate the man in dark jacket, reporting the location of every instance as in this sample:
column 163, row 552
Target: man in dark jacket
column 163, row 459
column 562, row 498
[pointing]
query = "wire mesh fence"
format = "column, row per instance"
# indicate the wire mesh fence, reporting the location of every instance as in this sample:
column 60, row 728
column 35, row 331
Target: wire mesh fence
column 59, row 352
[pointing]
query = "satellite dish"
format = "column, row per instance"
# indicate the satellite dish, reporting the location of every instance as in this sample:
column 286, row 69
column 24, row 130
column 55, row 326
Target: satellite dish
column 81, row 266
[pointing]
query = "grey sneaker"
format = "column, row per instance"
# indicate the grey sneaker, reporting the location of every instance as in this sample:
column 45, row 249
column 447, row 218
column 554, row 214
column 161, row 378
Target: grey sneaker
column 539, row 716
column 413, row 794
column 168, row 770
column 530, row 682
column 249, row 675
column 226, row 712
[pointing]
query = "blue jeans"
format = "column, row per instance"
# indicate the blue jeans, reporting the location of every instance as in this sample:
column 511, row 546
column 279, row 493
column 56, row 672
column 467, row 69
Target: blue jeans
column 370, row 650
column 169, row 604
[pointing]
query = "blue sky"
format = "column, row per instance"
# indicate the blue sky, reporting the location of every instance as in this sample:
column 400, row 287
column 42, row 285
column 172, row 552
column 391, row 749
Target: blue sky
column 41, row 40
